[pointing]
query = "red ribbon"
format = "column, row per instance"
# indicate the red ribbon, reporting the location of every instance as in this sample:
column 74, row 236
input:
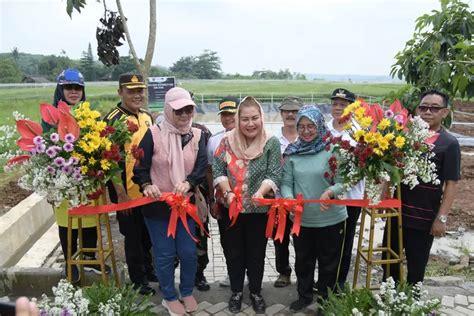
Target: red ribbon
column 282, row 207
column 235, row 206
column 180, row 207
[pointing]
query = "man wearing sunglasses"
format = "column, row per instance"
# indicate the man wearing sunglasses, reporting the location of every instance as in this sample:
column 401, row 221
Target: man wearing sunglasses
column 425, row 209
column 137, row 242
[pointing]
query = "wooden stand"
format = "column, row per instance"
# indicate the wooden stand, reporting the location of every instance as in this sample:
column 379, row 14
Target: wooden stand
column 367, row 254
column 102, row 253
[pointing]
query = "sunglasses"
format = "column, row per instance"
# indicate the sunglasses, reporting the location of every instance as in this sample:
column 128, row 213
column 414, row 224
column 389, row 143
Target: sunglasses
column 187, row 110
column 72, row 87
column 432, row 109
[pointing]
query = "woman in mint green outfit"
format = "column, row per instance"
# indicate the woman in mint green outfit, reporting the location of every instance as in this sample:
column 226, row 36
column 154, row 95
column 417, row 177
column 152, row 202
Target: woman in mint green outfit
column 307, row 171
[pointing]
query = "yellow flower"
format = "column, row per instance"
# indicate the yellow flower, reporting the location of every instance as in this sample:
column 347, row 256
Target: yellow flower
column 77, row 156
column 105, row 164
column 389, row 136
column 369, row 137
column 82, row 124
column 359, row 113
column 399, row 141
column 348, row 126
column 365, row 122
column 92, row 161
column 99, row 126
column 358, row 134
column 383, row 143
column 384, row 123
column 84, row 169
column 378, row 151
column 351, row 108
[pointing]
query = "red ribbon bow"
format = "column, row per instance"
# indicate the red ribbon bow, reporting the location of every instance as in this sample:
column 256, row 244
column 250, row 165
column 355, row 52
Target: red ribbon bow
column 235, row 206
column 180, row 207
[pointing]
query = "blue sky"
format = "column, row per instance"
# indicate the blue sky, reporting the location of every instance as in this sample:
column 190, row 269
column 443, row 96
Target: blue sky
column 307, row 36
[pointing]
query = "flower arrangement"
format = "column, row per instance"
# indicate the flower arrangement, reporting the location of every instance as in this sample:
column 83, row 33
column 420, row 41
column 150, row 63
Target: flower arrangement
column 390, row 300
column 75, row 158
column 384, row 146
column 98, row 299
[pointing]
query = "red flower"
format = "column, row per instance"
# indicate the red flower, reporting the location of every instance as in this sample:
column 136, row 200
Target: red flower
column 326, row 174
column 107, row 130
column 132, row 127
column 137, row 153
column 328, row 147
column 95, row 195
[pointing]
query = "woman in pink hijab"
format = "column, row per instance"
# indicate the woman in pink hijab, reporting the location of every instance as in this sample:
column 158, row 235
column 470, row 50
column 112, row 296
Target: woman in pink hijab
column 174, row 160
column 247, row 164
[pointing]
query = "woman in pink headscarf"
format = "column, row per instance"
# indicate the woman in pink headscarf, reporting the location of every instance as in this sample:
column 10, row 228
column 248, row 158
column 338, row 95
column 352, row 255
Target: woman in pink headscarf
column 174, row 160
column 247, row 164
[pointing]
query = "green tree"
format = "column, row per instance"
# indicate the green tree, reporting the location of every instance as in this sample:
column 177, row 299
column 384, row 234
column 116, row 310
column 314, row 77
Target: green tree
column 440, row 55
column 208, row 65
column 51, row 66
column 9, row 71
column 88, row 67
column 184, row 67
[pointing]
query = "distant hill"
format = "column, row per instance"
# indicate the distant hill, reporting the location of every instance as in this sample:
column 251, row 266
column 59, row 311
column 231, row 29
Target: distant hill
column 353, row 78
column 28, row 63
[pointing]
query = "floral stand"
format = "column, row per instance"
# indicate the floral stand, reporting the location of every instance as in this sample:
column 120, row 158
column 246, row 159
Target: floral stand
column 367, row 253
column 103, row 251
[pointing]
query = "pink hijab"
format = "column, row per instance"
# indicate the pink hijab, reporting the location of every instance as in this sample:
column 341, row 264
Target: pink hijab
column 237, row 139
column 171, row 136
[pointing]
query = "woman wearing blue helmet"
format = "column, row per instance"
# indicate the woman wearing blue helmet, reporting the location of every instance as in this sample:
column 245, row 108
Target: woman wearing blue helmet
column 70, row 88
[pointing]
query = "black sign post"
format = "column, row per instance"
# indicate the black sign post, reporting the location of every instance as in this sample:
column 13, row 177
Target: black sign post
column 157, row 88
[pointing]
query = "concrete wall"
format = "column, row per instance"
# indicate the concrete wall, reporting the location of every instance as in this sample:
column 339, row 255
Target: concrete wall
column 22, row 226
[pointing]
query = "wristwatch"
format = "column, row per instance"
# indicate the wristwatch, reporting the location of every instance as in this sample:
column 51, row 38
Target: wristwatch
column 226, row 193
column 442, row 218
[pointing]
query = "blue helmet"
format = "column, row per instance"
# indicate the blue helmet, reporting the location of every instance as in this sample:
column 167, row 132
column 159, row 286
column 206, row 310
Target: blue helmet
column 71, row 76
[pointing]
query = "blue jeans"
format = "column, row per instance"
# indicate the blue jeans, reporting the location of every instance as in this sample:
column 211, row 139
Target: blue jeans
column 165, row 250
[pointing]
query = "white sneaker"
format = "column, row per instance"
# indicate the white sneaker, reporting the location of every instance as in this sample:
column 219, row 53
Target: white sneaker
column 225, row 282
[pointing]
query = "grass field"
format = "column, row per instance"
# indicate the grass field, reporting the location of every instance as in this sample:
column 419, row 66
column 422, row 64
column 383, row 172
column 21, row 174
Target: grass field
column 26, row 100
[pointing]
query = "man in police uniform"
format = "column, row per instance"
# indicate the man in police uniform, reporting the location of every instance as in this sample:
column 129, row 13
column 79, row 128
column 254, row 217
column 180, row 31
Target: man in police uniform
column 227, row 109
column 132, row 91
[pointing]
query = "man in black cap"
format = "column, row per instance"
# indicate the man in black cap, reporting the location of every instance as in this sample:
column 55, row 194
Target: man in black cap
column 340, row 99
column 227, row 108
column 286, row 135
column 137, row 242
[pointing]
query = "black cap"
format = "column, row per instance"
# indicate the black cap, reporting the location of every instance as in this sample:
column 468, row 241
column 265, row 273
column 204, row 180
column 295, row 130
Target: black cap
column 344, row 94
column 228, row 104
column 131, row 81
column 291, row 104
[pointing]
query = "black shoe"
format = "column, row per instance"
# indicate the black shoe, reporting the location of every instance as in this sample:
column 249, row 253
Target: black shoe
column 258, row 303
column 235, row 303
column 95, row 267
column 144, row 289
column 201, row 284
column 300, row 304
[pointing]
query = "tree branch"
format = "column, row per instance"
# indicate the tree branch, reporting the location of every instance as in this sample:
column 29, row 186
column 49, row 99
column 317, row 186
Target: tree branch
column 129, row 39
column 150, row 49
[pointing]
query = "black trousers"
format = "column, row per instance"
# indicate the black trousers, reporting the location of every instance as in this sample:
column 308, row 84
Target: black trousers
column 351, row 224
column 282, row 252
column 137, row 246
column 246, row 251
column 224, row 223
column 323, row 244
column 202, row 256
column 89, row 240
column 417, row 245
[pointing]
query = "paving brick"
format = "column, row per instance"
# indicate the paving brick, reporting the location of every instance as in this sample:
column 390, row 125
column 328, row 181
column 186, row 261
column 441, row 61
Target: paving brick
column 447, row 301
column 451, row 312
column 464, row 310
column 460, row 299
column 216, row 308
column 471, row 307
column 201, row 313
column 274, row 309
column 470, row 299
column 203, row 305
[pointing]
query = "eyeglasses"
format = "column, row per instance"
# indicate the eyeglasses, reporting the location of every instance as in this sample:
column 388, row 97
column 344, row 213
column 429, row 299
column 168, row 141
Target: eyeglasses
column 187, row 110
column 432, row 109
column 72, row 87
column 310, row 128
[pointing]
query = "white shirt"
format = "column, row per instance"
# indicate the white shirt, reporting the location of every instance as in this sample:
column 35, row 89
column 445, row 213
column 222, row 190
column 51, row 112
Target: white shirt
column 357, row 191
column 284, row 142
column 212, row 145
